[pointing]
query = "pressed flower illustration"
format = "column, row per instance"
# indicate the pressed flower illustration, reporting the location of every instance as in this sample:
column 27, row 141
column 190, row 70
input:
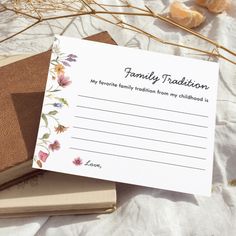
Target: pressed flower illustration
column 59, row 69
column 77, row 161
column 60, row 129
column 57, row 104
column 54, row 146
column 43, row 156
column 59, row 80
column 63, row 80
column 65, row 63
column 71, row 57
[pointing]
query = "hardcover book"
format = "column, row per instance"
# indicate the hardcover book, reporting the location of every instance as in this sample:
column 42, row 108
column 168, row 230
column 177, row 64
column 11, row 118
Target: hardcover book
column 52, row 193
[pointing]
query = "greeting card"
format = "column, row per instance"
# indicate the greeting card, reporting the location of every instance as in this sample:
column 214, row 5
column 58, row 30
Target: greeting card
column 128, row 115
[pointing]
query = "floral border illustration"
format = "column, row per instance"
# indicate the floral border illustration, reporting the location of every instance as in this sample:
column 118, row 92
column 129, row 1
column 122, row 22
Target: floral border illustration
column 59, row 81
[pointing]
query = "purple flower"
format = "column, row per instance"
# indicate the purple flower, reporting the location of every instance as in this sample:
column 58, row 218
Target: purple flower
column 72, row 55
column 65, row 63
column 70, row 59
column 56, row 104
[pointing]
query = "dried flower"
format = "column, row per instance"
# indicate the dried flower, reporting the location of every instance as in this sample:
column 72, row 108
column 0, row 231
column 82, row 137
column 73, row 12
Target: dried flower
column 59, row 69
column 77, row 161
column 54, row 146
column 43, row 156
column 63, row 81
column 60, row 129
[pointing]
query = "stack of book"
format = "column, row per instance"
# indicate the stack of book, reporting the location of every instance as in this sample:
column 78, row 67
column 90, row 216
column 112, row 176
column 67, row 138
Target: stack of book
column 25, row 191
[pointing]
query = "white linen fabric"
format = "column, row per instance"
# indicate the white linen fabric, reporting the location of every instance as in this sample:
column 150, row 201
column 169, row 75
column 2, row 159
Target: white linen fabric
column 146, row 211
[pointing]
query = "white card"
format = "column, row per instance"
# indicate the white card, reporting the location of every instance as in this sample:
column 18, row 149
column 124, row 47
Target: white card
column 128, row 115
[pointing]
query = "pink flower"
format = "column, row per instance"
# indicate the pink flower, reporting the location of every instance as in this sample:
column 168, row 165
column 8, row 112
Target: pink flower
column 54, row 146
column 78, row 161
column 43, row 156
column 63, row 80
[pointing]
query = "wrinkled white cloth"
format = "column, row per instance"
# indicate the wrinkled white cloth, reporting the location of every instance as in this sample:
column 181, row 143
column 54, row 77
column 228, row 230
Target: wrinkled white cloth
column 146, row 211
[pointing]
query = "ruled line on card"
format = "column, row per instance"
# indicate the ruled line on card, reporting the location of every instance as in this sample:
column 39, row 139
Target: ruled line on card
column 138, row 137
column 139, row 159
column 134, row 147
column 142, row 127
column 140, row 116
column 140, row 105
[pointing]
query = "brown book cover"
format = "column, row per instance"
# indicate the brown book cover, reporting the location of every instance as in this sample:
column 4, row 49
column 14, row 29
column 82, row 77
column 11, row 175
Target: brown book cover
column 51, row 193
column 21, row 95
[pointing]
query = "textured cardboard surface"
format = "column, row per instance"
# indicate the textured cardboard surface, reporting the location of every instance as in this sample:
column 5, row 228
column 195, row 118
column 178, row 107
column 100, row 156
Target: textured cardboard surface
column 21, row 95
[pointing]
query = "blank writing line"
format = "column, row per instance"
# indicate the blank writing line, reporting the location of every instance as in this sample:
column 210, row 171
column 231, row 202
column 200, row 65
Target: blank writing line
column 142, row 127
column 132, row 136
column 147, row 117
column 135, row 158
column 139, row 105
column 146, row 149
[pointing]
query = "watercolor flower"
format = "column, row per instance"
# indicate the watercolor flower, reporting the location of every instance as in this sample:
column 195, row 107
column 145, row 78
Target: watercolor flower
column 59, row 69
column 60, row 129
column 63, row 80
column 54, row 146
column 59, row 64
column 58, row 105
column 72, row 55
column 77, row 161
column 70, row 59
column 43, row 156
column 65, row 63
